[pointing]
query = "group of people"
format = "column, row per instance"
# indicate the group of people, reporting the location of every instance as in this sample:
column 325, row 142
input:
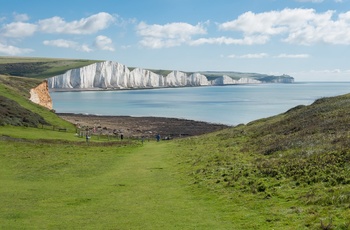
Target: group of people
column 122, row 137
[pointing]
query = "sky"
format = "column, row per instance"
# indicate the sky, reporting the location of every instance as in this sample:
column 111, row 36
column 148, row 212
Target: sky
column 306, row 39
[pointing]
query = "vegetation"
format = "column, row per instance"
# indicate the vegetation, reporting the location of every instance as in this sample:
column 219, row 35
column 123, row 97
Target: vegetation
column 17, row 109
column 161, row 71
column 11, row 113
column 39, row 67
column 298, row 162
column 290, row 171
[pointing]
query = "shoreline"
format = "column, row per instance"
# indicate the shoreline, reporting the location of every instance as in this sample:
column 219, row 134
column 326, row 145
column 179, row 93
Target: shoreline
column 137, row 127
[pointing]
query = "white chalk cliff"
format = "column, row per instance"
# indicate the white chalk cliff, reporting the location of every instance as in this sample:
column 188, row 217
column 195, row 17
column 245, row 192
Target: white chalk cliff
column 226, row 80
column 113, row 75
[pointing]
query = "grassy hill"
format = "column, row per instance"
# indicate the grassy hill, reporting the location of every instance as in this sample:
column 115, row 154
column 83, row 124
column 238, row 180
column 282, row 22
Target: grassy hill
column 300, row 156
column 289, row 171
column 17, row 109
column 39, row 67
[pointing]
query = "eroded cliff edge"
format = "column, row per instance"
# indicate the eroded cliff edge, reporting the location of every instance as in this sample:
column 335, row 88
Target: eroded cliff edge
column 40, row 95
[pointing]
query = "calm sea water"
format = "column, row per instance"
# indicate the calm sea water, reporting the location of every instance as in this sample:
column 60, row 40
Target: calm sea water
column 230, row 105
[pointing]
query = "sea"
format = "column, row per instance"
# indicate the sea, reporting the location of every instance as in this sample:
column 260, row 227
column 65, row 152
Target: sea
column 230, row 104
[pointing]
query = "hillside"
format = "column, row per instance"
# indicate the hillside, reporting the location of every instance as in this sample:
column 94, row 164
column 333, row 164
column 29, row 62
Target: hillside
column 264, row 78
column 39, row 67
column 302, row 156
column 289, row 171
column 17, row 109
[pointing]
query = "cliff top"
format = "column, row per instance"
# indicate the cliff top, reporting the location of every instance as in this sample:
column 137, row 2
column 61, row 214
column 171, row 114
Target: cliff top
column 36, row 67
column 39, row 67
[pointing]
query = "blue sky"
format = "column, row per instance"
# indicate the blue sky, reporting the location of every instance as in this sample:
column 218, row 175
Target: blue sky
column 307, row 39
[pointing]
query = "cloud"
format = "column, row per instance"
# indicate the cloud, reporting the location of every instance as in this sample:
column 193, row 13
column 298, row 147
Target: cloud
column 168, row 35
column 18, row 30
column 248, row 40
column 88, row 25
column 298, row 26
column 12, row 50
column 104, row 43
column 21, row 29
column 67, row 44
column 250, row 56
column 20, row 17
column 60, row 43
column 293, row 56
column 264, row 55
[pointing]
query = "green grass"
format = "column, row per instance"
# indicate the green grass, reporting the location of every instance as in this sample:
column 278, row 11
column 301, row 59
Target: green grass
column 13, row 88
column 66, row 185
column 38, row 133
column 289, row 171
column 299, row 161
column 275, row 202
column 61, row 186
column 39, row 67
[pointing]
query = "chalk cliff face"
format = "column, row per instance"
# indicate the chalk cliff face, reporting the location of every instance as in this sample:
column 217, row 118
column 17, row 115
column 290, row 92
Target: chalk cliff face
column 40, row 95
column 226, row 80
column 113, row 75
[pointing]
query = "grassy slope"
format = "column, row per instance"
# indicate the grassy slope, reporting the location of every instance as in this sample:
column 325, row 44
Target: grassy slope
column 294, row 167
column 17, row 89
column 71, row 187
column 286, row 172
column 20, row 96
column 39, row 67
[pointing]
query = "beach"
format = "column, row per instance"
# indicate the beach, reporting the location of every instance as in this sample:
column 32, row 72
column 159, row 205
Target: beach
column 137, row 127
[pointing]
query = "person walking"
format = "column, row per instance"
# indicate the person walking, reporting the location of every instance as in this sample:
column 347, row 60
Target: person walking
column 87, row 137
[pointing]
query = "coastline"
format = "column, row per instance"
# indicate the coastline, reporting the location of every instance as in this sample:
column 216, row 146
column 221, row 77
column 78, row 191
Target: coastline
column 137, row 127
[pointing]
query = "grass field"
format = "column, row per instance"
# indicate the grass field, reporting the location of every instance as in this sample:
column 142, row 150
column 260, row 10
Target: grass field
column 62, row 186
column 290, row 171
column 155, row 185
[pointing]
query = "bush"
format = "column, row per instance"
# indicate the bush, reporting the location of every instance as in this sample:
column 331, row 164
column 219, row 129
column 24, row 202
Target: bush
column 11, row 113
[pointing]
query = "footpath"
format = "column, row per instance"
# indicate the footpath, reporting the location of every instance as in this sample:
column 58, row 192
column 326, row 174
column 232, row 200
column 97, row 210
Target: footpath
column 151, row 194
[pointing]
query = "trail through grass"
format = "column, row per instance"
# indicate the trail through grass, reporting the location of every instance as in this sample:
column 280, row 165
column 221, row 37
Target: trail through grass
column 157, row 198
column 73, row 187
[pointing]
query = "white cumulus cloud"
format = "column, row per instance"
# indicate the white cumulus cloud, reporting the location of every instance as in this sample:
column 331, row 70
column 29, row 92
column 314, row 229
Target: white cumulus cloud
column 18, row 30
column 104, row 43
column 249, row 56
column 299, row 26
column 20, row 17
column 88, row 25
column 248, row 40
column 13, row 50
column 62, row 43
column 293, row 56
column 168, row 35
